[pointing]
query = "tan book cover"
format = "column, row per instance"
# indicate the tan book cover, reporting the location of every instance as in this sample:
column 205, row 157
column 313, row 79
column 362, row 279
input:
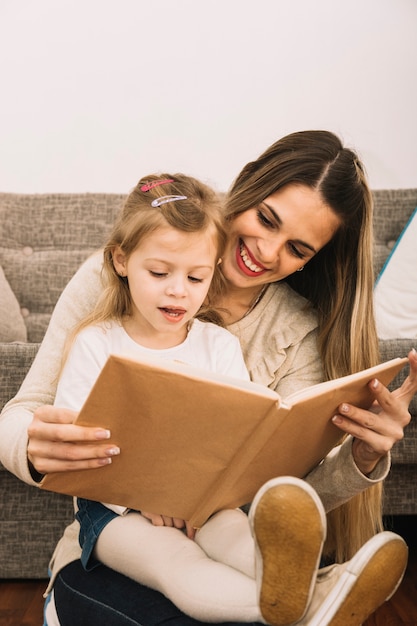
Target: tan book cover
column 193, row 442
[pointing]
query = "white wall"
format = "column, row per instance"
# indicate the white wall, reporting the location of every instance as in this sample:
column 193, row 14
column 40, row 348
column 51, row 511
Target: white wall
column 96, row 93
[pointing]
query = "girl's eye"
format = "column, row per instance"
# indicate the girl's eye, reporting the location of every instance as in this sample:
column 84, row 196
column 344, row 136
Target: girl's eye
column 157, row 274
column 263, row 219
column 193, row 279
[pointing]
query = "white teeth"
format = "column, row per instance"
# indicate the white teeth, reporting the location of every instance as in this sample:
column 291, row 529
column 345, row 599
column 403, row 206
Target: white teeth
column 173, row 313
column 247, row 261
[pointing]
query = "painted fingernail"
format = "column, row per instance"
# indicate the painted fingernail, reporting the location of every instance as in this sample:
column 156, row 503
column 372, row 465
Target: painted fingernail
column 102, row 434
column 113, row 451
column 104, row 461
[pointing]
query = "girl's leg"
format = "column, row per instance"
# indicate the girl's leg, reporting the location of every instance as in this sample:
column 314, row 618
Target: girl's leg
column 226, row 537
column 282, row 540
column 288, row 524
column 166, row 560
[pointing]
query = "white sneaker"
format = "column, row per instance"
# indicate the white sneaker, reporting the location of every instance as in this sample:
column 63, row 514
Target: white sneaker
column 347, row 594
column 288, row 523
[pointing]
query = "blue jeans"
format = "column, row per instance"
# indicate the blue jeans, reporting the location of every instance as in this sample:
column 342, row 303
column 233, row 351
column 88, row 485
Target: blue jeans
column 93, row 517
column 103, row 597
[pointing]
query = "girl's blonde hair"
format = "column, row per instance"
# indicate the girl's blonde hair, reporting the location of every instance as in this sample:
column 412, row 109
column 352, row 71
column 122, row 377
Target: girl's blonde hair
column 338, row 281
column 198, row 210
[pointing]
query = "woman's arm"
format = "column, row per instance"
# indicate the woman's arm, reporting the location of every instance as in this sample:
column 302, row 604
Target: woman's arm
column 25, row 420
column 364, row 458
column 376, row 431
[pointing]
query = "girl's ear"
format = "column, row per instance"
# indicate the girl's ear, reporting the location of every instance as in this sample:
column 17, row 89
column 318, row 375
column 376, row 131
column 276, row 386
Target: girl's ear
column 119, row 261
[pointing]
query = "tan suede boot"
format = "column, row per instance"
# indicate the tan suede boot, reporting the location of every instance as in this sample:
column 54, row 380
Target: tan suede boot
column 347, row 594
column 288, row 524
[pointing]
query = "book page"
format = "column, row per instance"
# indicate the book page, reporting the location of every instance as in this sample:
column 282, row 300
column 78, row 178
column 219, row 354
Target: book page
column 382, row 371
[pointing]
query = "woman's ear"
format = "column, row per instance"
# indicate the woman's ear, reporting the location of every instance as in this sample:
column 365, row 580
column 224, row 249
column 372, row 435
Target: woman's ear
column 119, row 261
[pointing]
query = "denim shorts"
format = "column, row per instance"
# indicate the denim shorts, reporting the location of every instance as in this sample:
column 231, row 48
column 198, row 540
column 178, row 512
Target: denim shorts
column 93, row 517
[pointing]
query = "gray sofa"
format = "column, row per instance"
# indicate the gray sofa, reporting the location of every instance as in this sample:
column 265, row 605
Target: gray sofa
column 43, row 240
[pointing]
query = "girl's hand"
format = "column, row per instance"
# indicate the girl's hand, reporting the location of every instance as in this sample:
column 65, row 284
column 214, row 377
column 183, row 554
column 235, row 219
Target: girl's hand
column 56, row 444
column 377, row 430
column 173, row 522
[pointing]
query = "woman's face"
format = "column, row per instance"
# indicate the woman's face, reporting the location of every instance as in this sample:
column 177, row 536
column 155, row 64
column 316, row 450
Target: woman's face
column 276, row 238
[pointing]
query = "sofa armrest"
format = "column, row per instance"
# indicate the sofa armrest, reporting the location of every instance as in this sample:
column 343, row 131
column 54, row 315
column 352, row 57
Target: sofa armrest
column 404, row 451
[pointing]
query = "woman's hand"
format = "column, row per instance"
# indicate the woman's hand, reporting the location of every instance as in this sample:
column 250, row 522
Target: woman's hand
column 173, row 522
column 57, row 445
column 377, row 430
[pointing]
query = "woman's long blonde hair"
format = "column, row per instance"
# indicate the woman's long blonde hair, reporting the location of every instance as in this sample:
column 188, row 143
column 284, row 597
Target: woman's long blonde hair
column 338, row 281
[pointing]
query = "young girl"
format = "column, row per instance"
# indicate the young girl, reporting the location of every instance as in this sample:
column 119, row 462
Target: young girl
column 160, row 264
column 161, row 270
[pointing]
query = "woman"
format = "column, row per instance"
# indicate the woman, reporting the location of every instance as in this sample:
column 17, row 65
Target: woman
column 298, row 268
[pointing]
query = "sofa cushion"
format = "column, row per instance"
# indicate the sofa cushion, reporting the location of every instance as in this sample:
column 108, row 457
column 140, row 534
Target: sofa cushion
column 12, row 325
column 396, row 287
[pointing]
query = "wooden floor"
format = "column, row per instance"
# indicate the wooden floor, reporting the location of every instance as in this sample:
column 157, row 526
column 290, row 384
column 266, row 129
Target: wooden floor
column 21, row 602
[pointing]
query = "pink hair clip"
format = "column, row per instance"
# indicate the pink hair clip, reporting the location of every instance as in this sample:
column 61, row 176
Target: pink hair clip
column 149, row 186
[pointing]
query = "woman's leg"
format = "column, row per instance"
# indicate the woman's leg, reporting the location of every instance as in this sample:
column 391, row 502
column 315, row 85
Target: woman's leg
column 345, row 594
column 104, row 597
column 166, row 560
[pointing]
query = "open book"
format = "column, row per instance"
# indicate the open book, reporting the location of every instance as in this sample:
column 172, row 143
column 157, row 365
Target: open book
column 193, row 442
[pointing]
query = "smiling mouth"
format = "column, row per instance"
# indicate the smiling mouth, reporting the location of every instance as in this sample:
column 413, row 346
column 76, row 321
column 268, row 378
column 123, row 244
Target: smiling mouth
column 247, row 261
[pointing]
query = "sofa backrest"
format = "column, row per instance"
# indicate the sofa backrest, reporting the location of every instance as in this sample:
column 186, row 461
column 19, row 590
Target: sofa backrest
column 393, row 208
column 44, row 238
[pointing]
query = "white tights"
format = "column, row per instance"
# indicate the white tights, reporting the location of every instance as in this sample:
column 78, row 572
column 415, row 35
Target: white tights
column 212, row 579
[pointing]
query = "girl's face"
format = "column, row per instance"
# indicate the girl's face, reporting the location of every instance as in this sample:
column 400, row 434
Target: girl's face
column 276, row 238
column 169, row 275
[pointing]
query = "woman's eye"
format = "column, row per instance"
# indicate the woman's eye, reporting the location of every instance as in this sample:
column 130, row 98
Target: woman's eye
column 295, row 251
column 263, row 219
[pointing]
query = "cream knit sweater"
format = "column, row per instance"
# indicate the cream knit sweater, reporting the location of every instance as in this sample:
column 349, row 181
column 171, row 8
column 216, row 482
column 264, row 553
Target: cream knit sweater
column 279, row 345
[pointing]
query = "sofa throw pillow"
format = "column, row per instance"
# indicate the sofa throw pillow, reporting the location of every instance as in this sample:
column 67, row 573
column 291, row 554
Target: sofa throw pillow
column 12, row 325
column 395, row 293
